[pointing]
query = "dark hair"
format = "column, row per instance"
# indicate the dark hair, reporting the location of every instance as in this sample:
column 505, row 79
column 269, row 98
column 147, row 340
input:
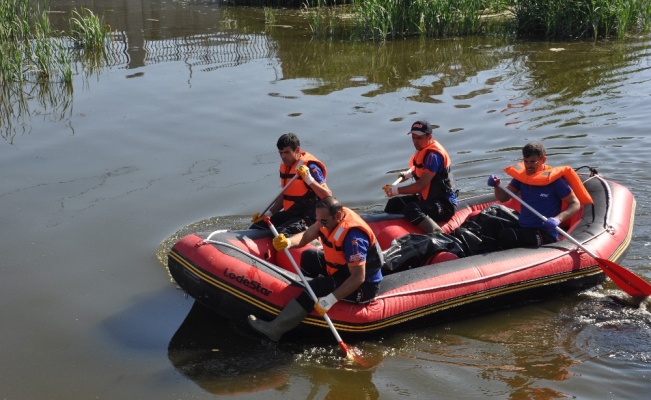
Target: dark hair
column 288, row 140
column 534, row 149
column 331, row 204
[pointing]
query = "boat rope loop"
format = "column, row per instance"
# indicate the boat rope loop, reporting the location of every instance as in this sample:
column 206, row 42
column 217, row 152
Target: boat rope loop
column 290, row 276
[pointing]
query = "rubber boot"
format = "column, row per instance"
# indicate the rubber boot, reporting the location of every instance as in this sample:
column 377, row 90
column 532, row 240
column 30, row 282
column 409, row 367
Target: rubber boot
column 429, row 226
column 289, row 318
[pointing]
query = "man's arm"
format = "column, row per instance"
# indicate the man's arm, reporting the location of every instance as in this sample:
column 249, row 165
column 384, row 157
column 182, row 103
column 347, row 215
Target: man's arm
column 321, row 189
column 318, row 184
column 573, row 205
column 303, row 238
column 419, row 185
column 354, row 281
column 502, row 196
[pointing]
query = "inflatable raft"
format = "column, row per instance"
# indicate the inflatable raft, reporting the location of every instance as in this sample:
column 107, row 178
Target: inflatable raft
column 238, row 272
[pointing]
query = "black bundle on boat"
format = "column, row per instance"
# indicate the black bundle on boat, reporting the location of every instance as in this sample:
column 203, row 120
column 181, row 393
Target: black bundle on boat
column 478, row 234
column 474, row 236
column 415, row 249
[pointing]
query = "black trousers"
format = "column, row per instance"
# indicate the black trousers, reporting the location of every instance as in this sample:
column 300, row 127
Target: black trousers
column 509, row 235
column 289, row 222
column 415, row 210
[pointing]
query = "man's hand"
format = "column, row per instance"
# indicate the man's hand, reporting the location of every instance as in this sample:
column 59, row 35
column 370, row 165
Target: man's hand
column 323, row 304
column 281, row 242
column 390, row 190
column 408, row 174
column 257, row 217
column 551, row 224
column 493, row 181
column 304, row 172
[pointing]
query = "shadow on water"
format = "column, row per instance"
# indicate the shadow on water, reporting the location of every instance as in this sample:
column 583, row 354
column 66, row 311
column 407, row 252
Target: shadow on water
column 220, row 358
column 227, row 358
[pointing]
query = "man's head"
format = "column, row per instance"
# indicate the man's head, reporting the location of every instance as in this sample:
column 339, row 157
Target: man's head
column 421, row 134
column 534, row 156
column 289, row 148
column 329, row 212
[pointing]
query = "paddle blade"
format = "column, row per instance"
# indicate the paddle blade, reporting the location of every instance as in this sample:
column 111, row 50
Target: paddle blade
column 353, row 355
column 630, row 283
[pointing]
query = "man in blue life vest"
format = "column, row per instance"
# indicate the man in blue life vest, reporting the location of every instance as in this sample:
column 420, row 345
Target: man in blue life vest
column 431, row 198
column 348, row 268
column 545, row 189
column 294, row 210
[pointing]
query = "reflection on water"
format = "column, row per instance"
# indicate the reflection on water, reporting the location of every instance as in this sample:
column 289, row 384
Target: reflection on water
column 202, row 351
column 19, row 103
column 572, row 83
column 230, row 359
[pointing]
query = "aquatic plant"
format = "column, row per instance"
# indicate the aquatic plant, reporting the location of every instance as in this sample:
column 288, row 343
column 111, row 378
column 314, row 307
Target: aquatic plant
column 87, row 29
column 390, row 19
column 581, row 18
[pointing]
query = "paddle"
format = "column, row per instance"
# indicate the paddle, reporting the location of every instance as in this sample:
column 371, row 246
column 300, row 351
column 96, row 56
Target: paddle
column 300, row 162
column 625, row 279
column 350, row 355
column 401, row 178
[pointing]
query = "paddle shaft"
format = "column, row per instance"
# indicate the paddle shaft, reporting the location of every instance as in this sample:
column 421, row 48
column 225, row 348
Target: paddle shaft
column 309, row 290
column 300, row 162
column 400, row 179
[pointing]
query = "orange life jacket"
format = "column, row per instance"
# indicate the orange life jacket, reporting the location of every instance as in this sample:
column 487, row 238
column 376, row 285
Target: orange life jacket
column 549, row 175
column 441, row 184
column 298, row 190
column 333, row 242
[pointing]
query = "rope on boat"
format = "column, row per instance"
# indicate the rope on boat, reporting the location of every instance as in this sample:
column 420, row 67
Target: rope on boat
column 275, row 268
column 289, row 276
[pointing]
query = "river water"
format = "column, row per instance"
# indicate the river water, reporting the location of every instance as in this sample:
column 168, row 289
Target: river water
column 179, row 132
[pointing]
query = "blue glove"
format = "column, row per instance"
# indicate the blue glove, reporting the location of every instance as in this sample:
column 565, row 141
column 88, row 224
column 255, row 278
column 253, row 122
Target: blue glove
column 493, row 181
column 551, row 224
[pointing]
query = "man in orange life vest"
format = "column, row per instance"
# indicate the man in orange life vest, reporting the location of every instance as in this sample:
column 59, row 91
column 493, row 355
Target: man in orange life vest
column 348, row 268
column 294, row 211
column 545, row 189
column 432, row 197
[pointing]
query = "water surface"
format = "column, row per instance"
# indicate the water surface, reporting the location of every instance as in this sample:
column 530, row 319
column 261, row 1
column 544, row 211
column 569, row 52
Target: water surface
column 179, row 131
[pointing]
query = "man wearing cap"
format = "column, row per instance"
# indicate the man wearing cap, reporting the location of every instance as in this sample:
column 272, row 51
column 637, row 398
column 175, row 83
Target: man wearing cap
column 431, row 198
column 294, row 211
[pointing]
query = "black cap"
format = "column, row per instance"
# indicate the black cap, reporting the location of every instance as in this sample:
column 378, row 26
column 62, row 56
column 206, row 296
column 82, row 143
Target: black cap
column 420, row 128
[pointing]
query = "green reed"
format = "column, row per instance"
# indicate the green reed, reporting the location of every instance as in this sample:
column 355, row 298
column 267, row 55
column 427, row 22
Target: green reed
column 568, row 19
column 31, row 50
column 383, row 19
column 581, row 18
column 88, row 30
column 323, row 17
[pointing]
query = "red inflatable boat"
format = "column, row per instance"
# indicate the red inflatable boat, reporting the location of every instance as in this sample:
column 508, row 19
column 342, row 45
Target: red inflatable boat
column 237, row 273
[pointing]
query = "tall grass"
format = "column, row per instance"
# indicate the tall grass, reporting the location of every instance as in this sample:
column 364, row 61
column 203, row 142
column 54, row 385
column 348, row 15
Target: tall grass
column 87, row 29
column 581, row 18
column 391, row 19
column 383, row 19
column 36, row 61
column 30, row 50
column 323, row 17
